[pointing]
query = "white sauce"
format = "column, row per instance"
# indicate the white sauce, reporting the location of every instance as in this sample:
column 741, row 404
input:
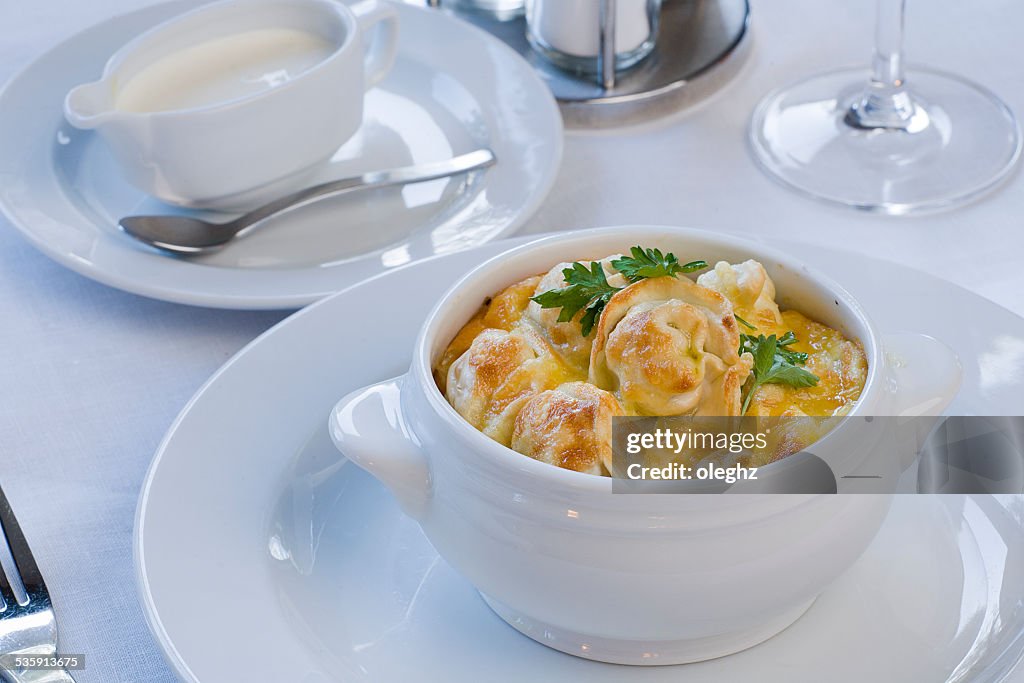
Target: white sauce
column 223, row 69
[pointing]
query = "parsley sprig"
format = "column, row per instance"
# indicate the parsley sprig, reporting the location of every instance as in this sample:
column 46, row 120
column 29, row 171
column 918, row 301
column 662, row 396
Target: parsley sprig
column 648, row 263
column 774, row 363
column 590, row 291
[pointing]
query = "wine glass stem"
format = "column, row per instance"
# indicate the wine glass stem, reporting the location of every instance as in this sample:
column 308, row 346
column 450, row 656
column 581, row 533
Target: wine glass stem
column 888, row 58
column 885, row 102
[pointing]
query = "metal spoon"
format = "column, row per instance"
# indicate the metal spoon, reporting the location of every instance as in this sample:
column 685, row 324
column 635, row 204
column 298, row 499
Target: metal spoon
column 191, row 236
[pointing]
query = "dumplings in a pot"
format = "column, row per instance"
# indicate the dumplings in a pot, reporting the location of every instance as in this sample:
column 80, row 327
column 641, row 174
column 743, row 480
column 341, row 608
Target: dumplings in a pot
column 660, row 345
column 667, row 346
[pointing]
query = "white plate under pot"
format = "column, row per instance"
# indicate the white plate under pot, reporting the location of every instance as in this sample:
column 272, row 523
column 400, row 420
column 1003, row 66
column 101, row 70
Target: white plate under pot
column 453, row 88
column 289, row 564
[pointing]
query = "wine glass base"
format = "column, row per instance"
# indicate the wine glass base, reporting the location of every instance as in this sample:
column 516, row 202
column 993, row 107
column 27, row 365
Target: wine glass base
column 961, row 141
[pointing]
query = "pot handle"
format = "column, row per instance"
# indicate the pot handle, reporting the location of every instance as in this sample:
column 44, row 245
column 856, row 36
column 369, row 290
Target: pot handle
column 368, row 428
column 926, row 372
column 925, row 376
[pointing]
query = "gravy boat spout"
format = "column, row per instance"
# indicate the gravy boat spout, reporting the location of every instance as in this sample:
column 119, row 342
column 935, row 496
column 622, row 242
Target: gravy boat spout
column 89, row 105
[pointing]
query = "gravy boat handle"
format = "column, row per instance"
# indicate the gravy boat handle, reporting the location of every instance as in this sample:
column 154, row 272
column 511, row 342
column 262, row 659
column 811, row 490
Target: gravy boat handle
column 368, row 428
column 381, row 53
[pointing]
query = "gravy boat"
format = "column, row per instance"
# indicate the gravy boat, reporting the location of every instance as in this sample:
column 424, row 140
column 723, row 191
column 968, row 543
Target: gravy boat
column 236, row 153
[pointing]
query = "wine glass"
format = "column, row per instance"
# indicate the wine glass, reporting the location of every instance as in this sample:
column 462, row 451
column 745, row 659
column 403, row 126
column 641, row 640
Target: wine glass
column 895, row 144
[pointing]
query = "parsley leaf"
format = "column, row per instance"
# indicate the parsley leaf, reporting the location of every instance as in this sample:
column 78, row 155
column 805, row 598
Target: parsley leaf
column 791, row 356
column 792, row 375
column 774, row 363
column 588, row 291
column 648, row 263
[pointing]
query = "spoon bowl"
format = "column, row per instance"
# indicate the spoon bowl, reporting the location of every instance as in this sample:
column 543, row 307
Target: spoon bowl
column 179, row 234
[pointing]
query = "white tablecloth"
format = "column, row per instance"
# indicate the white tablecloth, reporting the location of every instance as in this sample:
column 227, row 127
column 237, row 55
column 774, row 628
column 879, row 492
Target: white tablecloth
column 90, row 377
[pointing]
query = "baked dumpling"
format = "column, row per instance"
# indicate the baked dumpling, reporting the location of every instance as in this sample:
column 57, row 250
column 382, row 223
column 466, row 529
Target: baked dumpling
column 667, row 346
column 502, row 312
column 567, row 337
column 747, row 286
column 569, row 427
column 498, row 372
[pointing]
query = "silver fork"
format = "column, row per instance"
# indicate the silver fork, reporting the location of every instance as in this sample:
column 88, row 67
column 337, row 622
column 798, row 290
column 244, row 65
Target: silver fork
column 27, row 628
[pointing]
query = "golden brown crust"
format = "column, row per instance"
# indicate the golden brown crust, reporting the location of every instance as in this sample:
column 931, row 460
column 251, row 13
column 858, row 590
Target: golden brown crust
column 501, row 370
column 508, row 305
column 667, row 346
column 501, row 312
column 479, row 372
column 663, row 347
column 569, row 427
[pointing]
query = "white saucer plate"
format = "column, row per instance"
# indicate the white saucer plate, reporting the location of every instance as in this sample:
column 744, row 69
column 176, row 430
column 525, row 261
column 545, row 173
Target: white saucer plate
column 264, row 555
column 453, row 89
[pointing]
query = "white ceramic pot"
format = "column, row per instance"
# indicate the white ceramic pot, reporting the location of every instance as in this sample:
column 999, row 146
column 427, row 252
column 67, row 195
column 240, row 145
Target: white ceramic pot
column 238, row 152
column 635, row 579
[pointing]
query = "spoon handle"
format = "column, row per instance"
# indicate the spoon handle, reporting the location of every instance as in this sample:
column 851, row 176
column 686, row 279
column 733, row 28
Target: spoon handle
column 463, row 163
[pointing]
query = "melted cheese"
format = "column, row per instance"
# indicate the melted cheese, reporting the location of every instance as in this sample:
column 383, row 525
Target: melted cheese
column 840, row 365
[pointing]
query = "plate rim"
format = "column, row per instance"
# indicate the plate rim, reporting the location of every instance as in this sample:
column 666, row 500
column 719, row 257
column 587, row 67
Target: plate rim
column 169, row 651
column 175, row 293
